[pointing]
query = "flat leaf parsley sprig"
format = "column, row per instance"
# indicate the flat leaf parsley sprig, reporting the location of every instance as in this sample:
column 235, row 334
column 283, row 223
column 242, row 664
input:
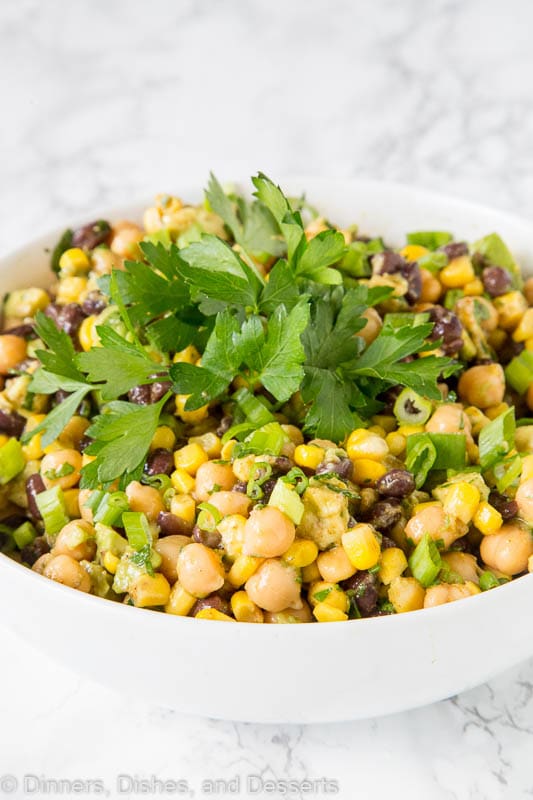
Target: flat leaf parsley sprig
column 293, row 332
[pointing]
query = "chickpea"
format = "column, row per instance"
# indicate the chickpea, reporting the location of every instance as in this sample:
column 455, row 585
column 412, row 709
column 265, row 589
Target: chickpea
column 528, row 291
column 52, row 465
column 267, row 533
column 274, row 587
column 437, row 523
column 449, row 418
column 199, row 570
column 169, row 548
column 66, row 570
column 41, row 563
column 289, row 615
column 242, row 467
column 13, row 350
column 373, row 325
column 76, row 540
column 508, row 550
column 524, row 498
column 431, row 287
column 145, row 499
column 482, row 386
column 73, row 432
column 445, row 593
column 125, row 239
column 211, row 475
column 464, row 565
column 104, row 260
column 85, row 511
column 334, row 565
column 230, row 503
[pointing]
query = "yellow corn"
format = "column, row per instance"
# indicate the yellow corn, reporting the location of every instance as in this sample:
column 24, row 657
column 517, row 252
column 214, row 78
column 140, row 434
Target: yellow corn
column 5, row 439
column 391, row 564
column 150, row 590
column 406, row 594
column 70, row 289
column 244, row 609
column 364, row 444
column 210, row 444
column 213, row 613
column 487, row 519
column 361, row 546
column 496, row 338
column 71, row 502
column 412, row 252
column 524, row 329
column 510, row 307
column 527, row 469
column 385, row 421
column 183, row 506
column 529, row 344
column 33, row 450
column 378, row 430
column 366, row 471
column 180, row 602
column 110, row 561
column 457, row 273
column 301, row 553
column 74, row 260
column 308, row 455
column 198, row 415
column 190, row 458
column 474, row 288
column 472, row 587
column 243, row 568
column 461, row 500
column 87, row 333
column 182, row 481
column 396, row 443
column 329, row 593
column 164, row 437
column 477, row 419
column 227, row 450
column 187, row 356
column 495, row 411
column 86, row 459
column 73, row 431
column 53, row 446
column 310, row 573
column 407, row 430
column 323, row 612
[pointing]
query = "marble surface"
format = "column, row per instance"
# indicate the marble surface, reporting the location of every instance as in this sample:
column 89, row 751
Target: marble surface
column 111, row 99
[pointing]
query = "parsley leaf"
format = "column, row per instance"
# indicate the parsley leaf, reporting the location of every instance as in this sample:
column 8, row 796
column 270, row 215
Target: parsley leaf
column 59, row 358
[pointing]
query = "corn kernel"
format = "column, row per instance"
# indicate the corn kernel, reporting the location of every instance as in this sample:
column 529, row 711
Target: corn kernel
column 391, row 564
column 362, row 444
column 524, row 329
column 366, row 471
column 70, row 289
column 71, row 502
column 408, row 430
column 110, row 561
column 361, row 546
column 192, row 417
column 406, row 594
column 412, row 252
column 73, row 431
column 396, row 443
column 487, row 519
column 184, row 507
column 477, row 419
column 510, row 307
column 495, row 411
column 182, row 481
column 5, row 439
column 187, row 356
column 472, row 587
column 150, row 590
column 243, row 568
column 385, row 421
column 527, row 469
column 209, row 442
column 86, row 459
column 474, row 288
column 213, row 613
column 529, row 344
column 190, row 458
column 301, row 553
column 329, row 593
column 310, row 573
column 244, row 609
column 308, row 455
column 496, row 338
column 180, row 602
column 33, row 450
column 87, row 334
column 461, row 500
column 378, row 430
column 164, row 437
column 227, row 450
column 458, row 272
column 74, row 260
column 326, row 613
column 53, row 446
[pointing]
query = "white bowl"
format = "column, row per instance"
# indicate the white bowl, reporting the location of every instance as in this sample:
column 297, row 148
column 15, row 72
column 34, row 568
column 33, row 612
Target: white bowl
column 285, row 673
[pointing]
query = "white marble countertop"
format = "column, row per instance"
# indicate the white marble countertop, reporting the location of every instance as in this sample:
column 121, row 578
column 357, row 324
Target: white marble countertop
column 109, row 99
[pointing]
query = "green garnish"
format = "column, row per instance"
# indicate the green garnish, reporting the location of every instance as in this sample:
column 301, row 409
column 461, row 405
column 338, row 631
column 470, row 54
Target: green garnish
column 12, row 460
column 430, row 239
column 496, row 439
column 60, row 472
column 51, row 505
column 425, row 562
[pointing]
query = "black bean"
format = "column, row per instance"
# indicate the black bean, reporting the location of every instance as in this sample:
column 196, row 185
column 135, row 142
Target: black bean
column 171, row 525
column 34, row 486
column 240, row 486
column 387, row 542
column 94, row 303
column 140, row 394
column 268, row 488
column 396, row 483
column 389, row 263
column 91, row 235
column 454, row 249
column 160, row 462
column 496, row 281
column 70, row 318
column 224, row 425
column 211, row 539
column 12, row 423
column 34, row 550
column 446, row 326
column 14, row 520
column 343, row 468
column 212, row 601
column 507, row 508
column 385, row 513
column 364, row 586
column 25, row 331
column 52, row 310
column 282, row 465
column 159, row 389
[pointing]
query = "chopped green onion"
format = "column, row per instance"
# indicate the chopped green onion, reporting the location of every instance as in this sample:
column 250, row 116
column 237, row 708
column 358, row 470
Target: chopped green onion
column 51, row 505
column 270, row 439
column 412, row 409
column 137, row 529
column 94, row 500
column 451, row 450
column 209, row 517
column 287, row 500
column 160, row 482
column 430, row 239
column 487, row 580
column 496, row 439
column 60, row 472
column 496, row 252
column 421, row 456
column 261, row 472
column 111, row 508
column 433, row 262
column 519, row 371
column 451, row 297
column 298, row 478
column 425, row 562
column 238, row 432
column 321, row 595
column 24, row 534
column 254, row 407
column 524, row 422
column 143, row 558
column 507, row 472
column 12, row 460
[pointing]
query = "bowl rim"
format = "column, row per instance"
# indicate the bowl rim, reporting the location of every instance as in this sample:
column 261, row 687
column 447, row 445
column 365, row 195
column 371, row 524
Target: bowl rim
column 134, row 206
